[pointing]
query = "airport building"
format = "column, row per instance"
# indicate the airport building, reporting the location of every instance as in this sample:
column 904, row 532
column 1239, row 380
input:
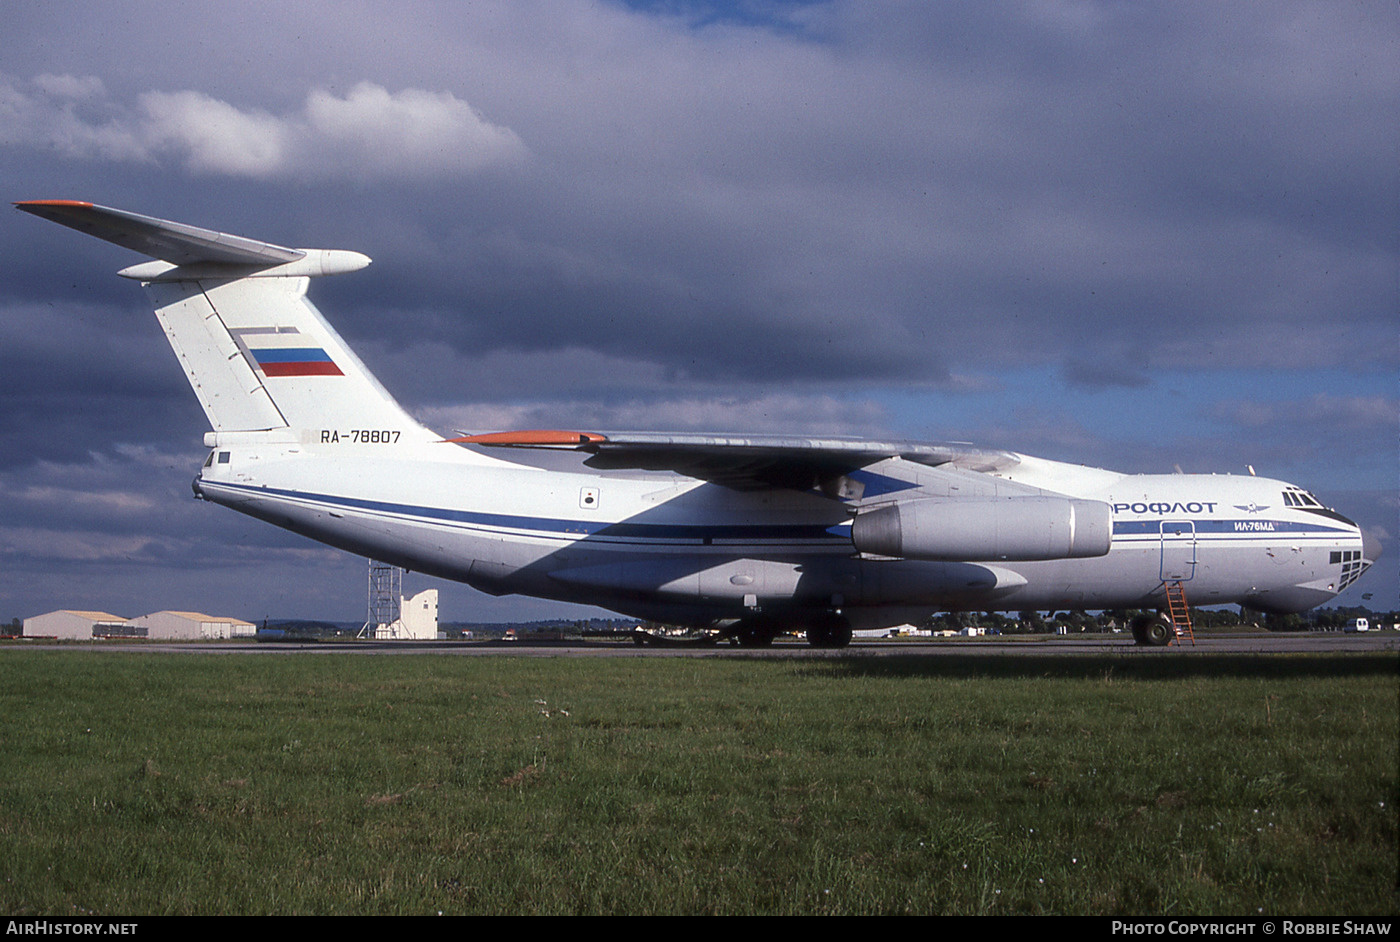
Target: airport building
column 406, row 619
column 191, row 626
column 76, row 625
column 417, row 620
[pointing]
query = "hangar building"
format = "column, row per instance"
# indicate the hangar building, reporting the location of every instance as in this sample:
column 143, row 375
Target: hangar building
column 191, row 626
column 75, row 625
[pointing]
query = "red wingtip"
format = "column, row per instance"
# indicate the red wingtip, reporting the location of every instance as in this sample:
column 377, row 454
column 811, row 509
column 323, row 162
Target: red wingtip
column 79, row 204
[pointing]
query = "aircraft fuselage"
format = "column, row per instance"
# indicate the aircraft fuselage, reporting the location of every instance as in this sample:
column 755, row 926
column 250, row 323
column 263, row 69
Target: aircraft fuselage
column 664, row 546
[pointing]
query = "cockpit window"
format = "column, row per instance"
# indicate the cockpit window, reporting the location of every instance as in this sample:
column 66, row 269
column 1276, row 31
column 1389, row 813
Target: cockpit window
column 1296, row 497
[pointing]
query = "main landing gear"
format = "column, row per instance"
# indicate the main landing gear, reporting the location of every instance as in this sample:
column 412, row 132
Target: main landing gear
column 756, row 632
column 828, row 630
column 824, row 630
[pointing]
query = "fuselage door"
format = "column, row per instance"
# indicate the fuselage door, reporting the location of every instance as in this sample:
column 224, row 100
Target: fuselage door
column 1178, row 550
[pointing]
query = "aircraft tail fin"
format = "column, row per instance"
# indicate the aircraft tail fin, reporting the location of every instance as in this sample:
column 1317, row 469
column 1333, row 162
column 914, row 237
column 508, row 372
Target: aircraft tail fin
column 259, row 356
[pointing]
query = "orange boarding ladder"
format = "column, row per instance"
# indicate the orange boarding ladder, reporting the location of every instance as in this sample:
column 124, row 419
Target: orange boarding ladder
column 1178, row 612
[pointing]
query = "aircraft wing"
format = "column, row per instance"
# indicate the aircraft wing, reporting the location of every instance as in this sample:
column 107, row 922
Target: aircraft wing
column 746, row 462
column 169, row 241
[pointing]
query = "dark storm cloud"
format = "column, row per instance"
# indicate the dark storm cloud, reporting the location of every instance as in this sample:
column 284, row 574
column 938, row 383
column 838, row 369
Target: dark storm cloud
column 1349, row 431
column 899, row 185
column 1106, row 373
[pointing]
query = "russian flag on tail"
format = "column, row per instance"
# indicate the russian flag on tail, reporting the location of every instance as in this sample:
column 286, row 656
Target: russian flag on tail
column 295, row 361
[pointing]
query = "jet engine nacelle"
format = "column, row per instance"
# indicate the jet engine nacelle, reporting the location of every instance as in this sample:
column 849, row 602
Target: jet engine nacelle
column 1016, row 528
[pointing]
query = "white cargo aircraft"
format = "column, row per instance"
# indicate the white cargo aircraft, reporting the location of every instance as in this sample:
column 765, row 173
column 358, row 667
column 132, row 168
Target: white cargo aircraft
column 750, row 534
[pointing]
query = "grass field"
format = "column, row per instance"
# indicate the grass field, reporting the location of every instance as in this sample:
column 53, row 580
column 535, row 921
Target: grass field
column 140, row 783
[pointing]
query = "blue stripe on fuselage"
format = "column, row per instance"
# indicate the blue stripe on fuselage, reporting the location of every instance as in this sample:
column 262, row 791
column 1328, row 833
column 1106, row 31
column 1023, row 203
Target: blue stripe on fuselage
column 1217, row 527
column 554, row 527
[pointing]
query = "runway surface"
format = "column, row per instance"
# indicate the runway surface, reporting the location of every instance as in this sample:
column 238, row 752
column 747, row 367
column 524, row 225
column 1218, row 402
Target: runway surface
column 1037, row 646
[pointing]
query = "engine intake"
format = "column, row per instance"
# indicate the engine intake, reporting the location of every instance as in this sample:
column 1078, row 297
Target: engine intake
column 1013, row 528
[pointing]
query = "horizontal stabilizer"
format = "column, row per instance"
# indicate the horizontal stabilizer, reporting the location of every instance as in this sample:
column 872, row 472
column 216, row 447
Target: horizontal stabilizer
column 172, row 242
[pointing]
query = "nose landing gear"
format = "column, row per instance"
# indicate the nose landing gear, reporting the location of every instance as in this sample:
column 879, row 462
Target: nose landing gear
column 1153, row 630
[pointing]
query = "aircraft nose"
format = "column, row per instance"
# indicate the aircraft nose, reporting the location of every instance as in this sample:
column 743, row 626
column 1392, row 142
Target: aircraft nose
column 1370, row 547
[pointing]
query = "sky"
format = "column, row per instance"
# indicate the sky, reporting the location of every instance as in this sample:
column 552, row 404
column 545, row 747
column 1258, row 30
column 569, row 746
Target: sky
column 1142, row 236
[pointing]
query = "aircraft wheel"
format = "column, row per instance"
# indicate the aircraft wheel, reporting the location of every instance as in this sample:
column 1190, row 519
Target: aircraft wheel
column 1153, row 631
column 829, row 631
column 756, row 634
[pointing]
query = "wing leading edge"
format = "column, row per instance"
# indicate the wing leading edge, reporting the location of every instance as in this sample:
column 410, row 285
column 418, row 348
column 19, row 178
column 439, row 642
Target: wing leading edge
column 746, row 462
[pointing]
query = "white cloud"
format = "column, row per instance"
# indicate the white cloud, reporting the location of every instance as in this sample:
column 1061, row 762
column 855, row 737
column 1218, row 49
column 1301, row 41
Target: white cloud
column 1376, row 414
column 215, row 137
column 79, row 546
column 116, row 501
column 414, row 131
column 71, row 86
column 369, row 133
column 64, row 114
